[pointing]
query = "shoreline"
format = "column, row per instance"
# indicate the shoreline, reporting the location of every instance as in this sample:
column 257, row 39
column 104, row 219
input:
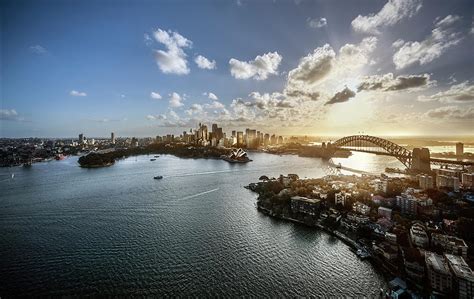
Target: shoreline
column 340, row 236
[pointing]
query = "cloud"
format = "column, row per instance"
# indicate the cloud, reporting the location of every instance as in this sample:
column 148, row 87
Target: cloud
column 442, row 38
column 323, row 64
column 204, row 63
column 460, row 93
column 259, row 68
column 175, row 100
column 10, row 114
column 305, row 95
column 155, row 95
column 37, row 49
column 341, row 96
column 147, row 39
column 194, row 109
column 391, row 13
column 398, row 43
column 317, row 23
column 173, row 60
column 211, row 96
column 451, row 112
column 387, row 82
column 76, row 93
column 215, row 105
column 156, row 117
column 353, row 56
column 270, row 100
column 313, row 67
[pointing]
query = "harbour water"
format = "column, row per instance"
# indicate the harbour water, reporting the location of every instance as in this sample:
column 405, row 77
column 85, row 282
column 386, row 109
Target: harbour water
column 115, row 230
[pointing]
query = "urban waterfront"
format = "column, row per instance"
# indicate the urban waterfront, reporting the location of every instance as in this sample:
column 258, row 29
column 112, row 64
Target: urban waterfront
column 114, row 230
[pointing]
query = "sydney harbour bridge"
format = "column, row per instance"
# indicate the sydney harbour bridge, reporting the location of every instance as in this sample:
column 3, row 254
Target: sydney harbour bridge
column 419, row 159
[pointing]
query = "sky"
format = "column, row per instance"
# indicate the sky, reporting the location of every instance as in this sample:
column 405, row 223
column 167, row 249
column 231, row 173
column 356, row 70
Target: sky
column 291, row 67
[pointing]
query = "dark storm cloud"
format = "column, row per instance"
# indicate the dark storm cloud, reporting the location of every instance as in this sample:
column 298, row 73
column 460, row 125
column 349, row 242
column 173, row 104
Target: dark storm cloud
column 341, row 96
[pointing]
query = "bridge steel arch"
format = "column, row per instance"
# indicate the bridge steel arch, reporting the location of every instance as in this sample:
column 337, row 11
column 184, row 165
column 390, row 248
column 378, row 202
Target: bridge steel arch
column 393, row 149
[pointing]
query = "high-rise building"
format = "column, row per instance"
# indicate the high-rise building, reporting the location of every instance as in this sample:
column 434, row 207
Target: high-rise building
column 266, row 139
column 240, row 138
column 81, row 138
column 112, row 138
column 407, row 203
column 459, row 149
column 273, row 140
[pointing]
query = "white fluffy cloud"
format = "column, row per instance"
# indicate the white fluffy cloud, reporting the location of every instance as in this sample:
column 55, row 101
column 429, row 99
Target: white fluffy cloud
column 215, row 105
column 76, row 93
column 317, row 23
column 211, row 96
column 155, row 95
column 459, row 93
column 442, row 38
column 204, row 63
column 390, row 14
column 324, row 65
column 175, row 100
column 313, row 67
column 259, row 68
column 173, row 60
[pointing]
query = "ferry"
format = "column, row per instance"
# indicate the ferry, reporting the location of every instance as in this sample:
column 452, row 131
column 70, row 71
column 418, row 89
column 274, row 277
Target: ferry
column 158, row 177
column 152, row 159
column 157, row 156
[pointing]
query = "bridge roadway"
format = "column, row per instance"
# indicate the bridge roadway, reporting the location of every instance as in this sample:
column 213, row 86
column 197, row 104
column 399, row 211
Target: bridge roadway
column 435, row 161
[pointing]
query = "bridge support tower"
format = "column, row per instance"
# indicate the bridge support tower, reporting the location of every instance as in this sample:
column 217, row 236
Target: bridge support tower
column 420, row 160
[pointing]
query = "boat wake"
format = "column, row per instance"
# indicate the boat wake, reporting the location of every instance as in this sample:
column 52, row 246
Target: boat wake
column 199, row 194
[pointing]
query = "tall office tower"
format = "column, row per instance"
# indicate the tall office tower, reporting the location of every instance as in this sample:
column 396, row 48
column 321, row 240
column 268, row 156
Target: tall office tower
column 266, row 139
column 459, row 149
column 273, row 140
column 205, row 134
column 214, row 128
column 280, row 140
column 112, row 137
column 240, row 138
column 81, row 138
column 233, row 134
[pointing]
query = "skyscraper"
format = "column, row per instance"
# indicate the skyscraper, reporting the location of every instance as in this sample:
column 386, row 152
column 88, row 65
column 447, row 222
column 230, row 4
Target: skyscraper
column 459, row 149
column 112, row 137
column 81, row 138
column 240, row 138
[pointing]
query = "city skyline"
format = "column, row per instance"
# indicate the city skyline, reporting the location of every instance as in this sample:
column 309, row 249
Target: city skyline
column 401, row 67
